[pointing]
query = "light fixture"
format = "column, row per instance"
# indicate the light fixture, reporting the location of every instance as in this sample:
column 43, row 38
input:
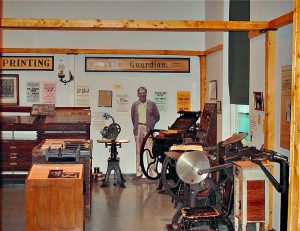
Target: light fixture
column 61, row 74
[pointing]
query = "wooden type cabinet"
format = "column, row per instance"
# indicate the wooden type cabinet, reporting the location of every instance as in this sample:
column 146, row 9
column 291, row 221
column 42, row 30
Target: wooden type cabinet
column 67, row 122
column 17, row 154
column 251, row 195
column 54, row 204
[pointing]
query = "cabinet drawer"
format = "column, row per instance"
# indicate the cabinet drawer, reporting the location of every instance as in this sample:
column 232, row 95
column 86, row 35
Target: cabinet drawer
column 17, row 154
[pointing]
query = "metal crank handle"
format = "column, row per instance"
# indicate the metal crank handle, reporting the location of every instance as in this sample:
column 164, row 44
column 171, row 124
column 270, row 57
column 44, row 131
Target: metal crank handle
column 214, row 169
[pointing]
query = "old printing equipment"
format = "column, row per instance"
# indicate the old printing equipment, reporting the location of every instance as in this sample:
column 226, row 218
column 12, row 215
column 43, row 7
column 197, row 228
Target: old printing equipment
column 68, row 152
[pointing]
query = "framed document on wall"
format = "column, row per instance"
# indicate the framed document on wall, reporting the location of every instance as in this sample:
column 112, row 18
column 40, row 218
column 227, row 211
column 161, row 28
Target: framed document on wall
column 9, row 89
column 105, row 98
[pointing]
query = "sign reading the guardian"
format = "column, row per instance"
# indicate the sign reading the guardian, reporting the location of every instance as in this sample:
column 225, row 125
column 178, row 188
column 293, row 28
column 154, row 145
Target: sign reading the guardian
column 28, row 63
column 112, row 64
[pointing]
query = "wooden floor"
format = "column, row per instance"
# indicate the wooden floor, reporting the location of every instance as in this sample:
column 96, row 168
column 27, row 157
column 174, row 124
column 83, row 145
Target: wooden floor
column 137, row 207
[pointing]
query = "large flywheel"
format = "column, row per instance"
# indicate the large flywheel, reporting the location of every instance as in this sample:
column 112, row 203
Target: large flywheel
column 150, row 159
column 170, row 180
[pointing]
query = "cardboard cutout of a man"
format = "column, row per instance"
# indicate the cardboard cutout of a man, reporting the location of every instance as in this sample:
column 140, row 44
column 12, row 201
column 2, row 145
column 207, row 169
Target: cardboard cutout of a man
column 144, row 116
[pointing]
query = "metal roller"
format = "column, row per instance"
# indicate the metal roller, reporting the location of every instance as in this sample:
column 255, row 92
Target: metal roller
column 189, row 164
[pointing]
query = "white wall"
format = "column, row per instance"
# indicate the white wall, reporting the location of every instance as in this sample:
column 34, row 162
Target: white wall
column 217, row 64
column 261, row 10
column 97, row 9
column 170, row 82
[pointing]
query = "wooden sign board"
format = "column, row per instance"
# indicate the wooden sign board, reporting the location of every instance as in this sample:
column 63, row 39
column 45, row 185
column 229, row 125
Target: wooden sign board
column 42, row 109
column 27, row 63
column 112, row 64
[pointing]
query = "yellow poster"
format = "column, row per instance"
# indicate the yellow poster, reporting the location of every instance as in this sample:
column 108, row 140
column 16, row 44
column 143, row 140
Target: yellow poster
column 183, row 100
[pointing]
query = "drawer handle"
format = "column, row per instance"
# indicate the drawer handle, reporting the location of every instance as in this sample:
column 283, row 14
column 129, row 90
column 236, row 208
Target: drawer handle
column 13, row 147
column 13, row 164
column 13, row 154
column 13, row 157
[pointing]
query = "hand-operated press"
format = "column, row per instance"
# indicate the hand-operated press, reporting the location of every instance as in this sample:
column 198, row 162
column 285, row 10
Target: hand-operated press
column 183, row 128
column 192, row 187
column 110, row 134
column 195, row 169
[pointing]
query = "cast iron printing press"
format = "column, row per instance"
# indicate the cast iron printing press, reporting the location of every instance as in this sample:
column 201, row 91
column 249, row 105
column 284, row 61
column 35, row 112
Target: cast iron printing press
column 195, row 171
column 110, row 134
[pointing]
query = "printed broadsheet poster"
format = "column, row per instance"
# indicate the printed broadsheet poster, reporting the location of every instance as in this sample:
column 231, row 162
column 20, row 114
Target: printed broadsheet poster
column 160, row 98
column 83, row 96
column 122, row 102
column 33, row 92
column 49, row 92
column 98, row 121
column 285, row 121
column 183, row 100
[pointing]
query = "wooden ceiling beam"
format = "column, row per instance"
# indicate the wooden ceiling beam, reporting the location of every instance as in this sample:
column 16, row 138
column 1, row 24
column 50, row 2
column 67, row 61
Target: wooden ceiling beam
column 101, row 51
column 214, row 49
column 128, row 25
column 110, row 51
column 273, row 24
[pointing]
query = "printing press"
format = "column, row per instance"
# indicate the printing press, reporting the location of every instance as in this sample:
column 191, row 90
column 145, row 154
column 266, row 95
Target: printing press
column 184, row 128
column 68, row 151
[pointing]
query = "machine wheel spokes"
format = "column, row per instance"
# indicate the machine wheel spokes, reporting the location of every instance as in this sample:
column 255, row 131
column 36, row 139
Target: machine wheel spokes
column 150, row 164
column 170, row 180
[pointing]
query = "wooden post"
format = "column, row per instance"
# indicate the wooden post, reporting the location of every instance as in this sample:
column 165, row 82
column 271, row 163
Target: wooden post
column 269, row 121
column 270, row 62
column 202, row 81
column 294, row 194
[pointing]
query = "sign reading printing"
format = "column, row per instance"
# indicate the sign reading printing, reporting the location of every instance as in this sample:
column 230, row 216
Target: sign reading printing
column 27, row 63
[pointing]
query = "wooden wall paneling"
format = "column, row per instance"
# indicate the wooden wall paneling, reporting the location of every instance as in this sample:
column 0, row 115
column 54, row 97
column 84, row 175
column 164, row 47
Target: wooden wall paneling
column 294, row 194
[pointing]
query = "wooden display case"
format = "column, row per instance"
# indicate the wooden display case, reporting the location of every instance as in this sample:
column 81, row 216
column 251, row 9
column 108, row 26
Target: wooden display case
column 54, row 203
column 85, row 158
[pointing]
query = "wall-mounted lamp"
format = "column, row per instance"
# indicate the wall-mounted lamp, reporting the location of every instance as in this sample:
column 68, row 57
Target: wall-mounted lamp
column 61, row 74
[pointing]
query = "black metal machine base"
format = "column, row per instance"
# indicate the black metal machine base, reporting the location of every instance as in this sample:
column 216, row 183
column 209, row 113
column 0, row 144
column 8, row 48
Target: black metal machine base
column 113, row 164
